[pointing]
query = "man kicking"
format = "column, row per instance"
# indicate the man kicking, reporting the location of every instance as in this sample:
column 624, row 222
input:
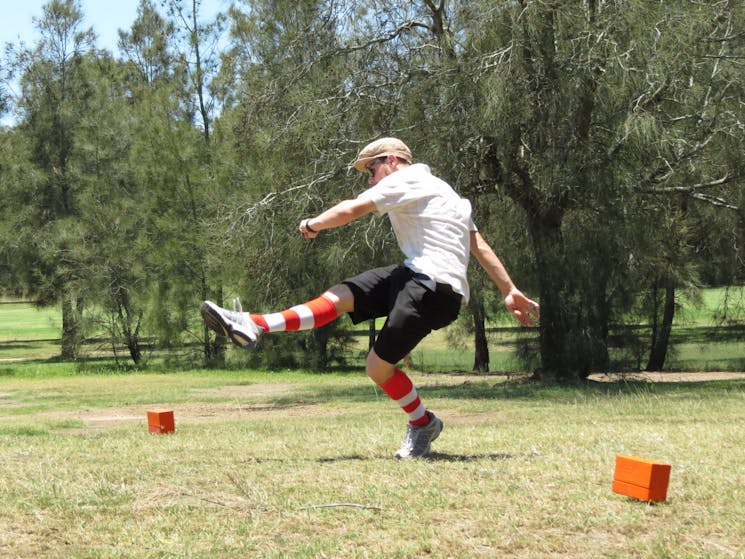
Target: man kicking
column 435, row 232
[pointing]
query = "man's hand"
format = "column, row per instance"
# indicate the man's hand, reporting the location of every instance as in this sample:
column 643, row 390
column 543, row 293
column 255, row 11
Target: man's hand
column 524, row 310
column 307, row 232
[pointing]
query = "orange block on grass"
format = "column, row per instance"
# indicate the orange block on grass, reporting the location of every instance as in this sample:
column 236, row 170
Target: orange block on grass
column 642, row 479
column 161, row 421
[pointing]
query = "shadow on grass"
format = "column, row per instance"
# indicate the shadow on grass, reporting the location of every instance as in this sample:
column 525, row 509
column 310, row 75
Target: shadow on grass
column 320, row 460
column 23, row 345
column 518, row 390
column 447, row 457
column 432, row 457
column 706, row 334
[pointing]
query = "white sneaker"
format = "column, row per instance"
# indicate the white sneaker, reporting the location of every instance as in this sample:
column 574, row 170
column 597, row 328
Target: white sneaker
column 237, row 326
column 418, row 439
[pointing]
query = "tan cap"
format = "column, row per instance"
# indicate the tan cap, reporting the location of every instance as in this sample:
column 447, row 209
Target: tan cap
column 379, row 148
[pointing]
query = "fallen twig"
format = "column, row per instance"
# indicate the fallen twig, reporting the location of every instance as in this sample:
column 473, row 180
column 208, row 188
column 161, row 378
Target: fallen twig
column 338, row 505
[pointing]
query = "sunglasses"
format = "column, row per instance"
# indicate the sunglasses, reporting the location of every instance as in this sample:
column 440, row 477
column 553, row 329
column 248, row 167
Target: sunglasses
column 371, row 166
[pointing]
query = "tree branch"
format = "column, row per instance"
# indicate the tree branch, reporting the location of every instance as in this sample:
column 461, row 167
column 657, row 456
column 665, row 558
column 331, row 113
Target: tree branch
column 405, row 26
column 694, row 191
column 337, row 505
column 240, row 217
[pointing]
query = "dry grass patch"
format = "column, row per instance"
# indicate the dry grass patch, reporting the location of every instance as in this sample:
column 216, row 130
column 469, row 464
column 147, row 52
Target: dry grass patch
column 303, row 468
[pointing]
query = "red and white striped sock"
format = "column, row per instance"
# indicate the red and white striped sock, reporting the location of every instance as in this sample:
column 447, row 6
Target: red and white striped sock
column 313, row 314
column 400, row 388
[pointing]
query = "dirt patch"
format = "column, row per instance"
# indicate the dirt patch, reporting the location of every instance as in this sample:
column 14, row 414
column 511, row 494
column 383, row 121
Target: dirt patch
column 489, row 418
column 246, row 402
column 96, row 420
column 462, row 377
column 249, row 390
column 666, row 377
column 243, row 401
column 6, row 402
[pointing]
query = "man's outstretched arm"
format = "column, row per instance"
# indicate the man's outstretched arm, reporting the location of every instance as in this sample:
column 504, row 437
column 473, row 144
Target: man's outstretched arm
column 523, row 309
column 336, row 216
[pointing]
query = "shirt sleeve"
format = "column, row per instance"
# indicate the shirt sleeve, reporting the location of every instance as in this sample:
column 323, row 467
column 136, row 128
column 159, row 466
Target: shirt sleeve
column 391, row 193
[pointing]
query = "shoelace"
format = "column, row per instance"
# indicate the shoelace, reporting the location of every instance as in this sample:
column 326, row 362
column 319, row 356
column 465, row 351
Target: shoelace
column 237, row 307
column 236, row 315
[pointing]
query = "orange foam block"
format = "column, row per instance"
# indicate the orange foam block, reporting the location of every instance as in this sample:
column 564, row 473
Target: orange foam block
column 642, row 479
column 161, row 421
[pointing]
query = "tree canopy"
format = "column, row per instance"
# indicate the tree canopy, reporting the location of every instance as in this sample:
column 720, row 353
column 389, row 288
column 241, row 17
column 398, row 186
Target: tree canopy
column 600, row 143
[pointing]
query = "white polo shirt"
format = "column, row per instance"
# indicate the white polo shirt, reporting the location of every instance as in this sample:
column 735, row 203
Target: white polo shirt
column 432, row 223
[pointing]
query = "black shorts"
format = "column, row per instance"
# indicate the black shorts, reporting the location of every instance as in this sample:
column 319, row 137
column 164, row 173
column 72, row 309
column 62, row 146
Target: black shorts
column 412, row 308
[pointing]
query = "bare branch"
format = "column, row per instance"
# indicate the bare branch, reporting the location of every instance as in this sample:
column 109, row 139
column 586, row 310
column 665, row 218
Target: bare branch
column 662, row 189
column 240, row 217
column 405, row 26
column 337, row 505
column 694, row 191
column 714, row 200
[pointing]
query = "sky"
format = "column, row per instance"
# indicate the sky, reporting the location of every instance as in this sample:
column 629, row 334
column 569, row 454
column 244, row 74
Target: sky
column 106, row 17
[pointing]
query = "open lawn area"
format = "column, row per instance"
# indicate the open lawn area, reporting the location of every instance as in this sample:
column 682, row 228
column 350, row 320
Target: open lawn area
column 294, row 464
column 701, row 340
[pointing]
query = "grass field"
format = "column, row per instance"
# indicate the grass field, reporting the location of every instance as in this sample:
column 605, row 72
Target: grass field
column 293, row 464
column 699, row 341
column 299, row 465
column 28, row 332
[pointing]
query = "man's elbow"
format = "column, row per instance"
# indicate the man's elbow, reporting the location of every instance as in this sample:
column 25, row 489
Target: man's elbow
column 353, row 209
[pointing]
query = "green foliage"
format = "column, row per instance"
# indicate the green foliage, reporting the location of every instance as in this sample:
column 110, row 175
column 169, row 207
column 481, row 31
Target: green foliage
column 587, row 112
column 600, row 144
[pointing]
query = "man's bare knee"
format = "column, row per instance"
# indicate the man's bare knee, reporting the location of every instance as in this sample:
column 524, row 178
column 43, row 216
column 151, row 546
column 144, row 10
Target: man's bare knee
column 378, row 369
column 342, row 298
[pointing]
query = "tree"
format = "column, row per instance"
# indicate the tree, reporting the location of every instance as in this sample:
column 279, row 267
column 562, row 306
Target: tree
column 600, row 143
column 583, row 107
column 146, row 48
column 172, row 162
column 13, row 154
column 54, row 94
column 284, row 146
column 200, row 64
column 111, row 211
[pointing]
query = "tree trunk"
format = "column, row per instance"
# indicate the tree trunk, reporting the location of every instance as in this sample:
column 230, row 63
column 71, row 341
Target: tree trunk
column 566, row 354
column 661, row 331
column 214, row 349
column 481, row 346
column 598, row 321
column 319, row 352
column 71, row 326
column 132, row 335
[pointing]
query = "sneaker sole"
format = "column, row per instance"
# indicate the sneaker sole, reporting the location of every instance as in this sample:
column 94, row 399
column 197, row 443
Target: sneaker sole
column 215, row 321
column 240, row 340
